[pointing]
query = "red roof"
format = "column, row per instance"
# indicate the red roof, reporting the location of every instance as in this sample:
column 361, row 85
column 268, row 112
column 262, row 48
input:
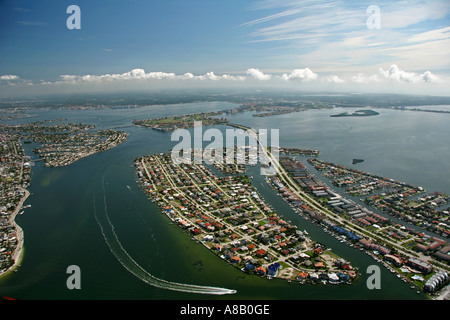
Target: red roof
column 261, row 252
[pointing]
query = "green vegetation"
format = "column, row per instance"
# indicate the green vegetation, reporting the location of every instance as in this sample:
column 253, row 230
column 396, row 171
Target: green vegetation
column 171, row 123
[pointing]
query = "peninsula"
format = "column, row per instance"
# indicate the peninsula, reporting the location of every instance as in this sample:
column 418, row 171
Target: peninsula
column 229, row 217
column 15, row 178
column 171, row 123
column 62, row 144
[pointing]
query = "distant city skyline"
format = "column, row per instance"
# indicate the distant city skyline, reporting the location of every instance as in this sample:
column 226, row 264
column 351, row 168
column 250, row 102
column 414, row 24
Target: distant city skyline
column 364, row 46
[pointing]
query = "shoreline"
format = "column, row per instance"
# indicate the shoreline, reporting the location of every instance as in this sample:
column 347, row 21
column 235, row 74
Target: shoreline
column 17, row 254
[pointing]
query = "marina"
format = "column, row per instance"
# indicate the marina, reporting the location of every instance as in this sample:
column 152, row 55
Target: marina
column 400, row 249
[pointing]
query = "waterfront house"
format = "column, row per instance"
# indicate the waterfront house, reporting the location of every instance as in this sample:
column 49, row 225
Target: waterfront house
column 249, row 267
column 260, row 271
column 314, row 277
column 302, row 276
column 235, row 259
column 273, row 269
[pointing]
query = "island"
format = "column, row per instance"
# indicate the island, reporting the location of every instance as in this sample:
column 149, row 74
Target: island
column 356, row 161
column 358, row 113
column 172, row 123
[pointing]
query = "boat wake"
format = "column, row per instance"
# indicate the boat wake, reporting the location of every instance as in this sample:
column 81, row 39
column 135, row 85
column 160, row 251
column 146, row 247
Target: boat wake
column 110, row 236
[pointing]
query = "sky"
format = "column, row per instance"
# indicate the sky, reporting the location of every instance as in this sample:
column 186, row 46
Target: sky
column 351, row 46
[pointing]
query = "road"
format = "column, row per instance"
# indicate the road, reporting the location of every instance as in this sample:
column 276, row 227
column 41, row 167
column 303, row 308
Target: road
column 295, row 189
column 18, row 250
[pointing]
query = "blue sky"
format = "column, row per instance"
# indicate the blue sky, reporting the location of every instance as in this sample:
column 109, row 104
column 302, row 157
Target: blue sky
column 322, row 44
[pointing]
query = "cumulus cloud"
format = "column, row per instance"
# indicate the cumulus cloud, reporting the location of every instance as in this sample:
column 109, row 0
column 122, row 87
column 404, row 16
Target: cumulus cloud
column 300, row 75
column 397, row 74
column 14, row 80
column 9, row 77
column 208, row 76
column 333, row 79
column 429, row 77
column 393, row 78
column 257, row 74
column 140, row 74
column 361, row 78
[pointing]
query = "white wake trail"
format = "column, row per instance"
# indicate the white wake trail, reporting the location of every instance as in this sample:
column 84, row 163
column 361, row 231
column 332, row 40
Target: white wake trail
column 133, row 267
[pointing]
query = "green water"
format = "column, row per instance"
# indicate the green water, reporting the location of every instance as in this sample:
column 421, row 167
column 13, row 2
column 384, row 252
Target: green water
column 61, row 228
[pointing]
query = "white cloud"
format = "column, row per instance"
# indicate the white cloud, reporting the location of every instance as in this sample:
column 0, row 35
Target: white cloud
column 209, row 76
column 257, row 74
column 300, row 75
column 140, row 75
column 407, row 13
column 9, row 77
column 332, row 35
column 361, row 78
column 333, row 79
column 14, row 80
column 436, row 34
column 397, row 74
column 272, row 17
column 427, row 76
column 384, row 80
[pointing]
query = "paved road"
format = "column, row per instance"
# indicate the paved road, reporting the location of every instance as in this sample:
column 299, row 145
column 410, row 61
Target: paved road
column 297, row 191
column 18, row 250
